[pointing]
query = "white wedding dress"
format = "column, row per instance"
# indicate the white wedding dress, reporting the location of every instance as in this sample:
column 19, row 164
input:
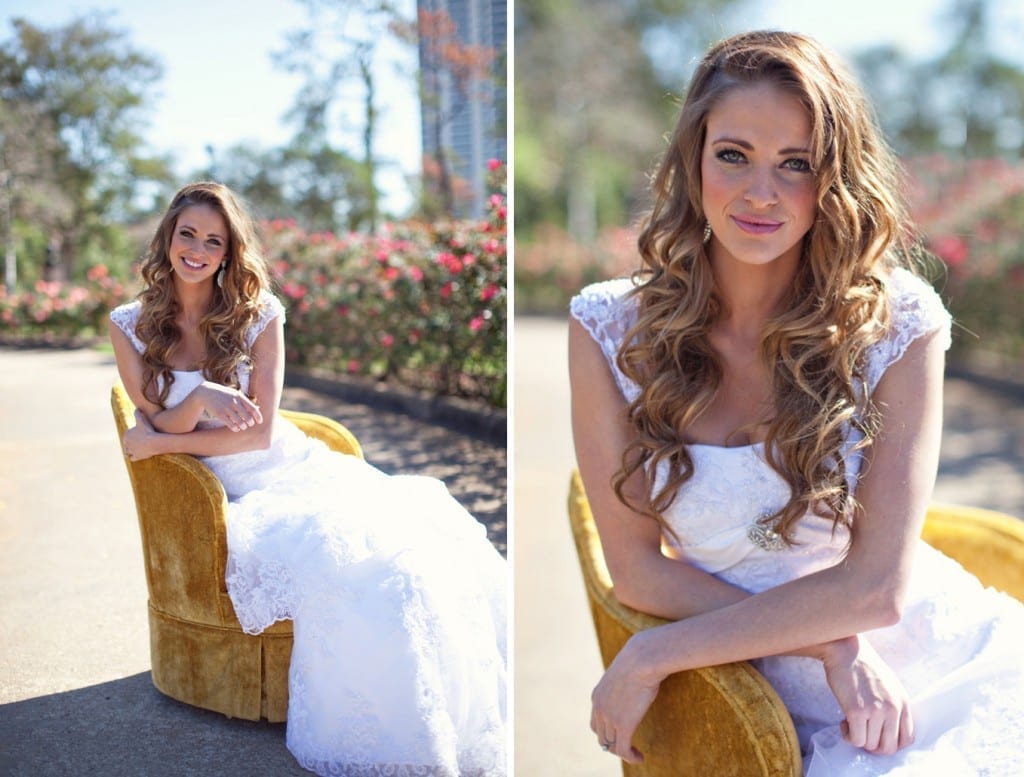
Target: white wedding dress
column 957, row 649
column 397, row 597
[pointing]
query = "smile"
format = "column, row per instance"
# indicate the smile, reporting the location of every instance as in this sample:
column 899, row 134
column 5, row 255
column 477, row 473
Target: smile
column 756, row 226
column 192, row 265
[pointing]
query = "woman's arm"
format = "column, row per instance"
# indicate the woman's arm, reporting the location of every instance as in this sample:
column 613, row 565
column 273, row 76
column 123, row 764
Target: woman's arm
column 863, row 592
column 644, row 578
column 231, row 406
column 265, row 384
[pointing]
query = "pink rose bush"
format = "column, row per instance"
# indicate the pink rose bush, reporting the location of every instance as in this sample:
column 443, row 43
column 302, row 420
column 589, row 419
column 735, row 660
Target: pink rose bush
column 59, row 311
column 970, row 215
column 421, row 304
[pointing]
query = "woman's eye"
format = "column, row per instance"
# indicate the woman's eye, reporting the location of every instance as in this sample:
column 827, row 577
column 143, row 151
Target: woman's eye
column 799, row 165
column 730, row 155
column 185, row 233
column 214, row 243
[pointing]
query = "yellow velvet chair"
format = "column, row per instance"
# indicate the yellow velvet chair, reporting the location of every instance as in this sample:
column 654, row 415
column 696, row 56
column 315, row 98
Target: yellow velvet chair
column 200, row 654
column 727, row 720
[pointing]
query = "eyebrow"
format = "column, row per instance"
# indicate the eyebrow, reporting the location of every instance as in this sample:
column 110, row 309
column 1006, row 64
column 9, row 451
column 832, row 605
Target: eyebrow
column 749, row 147
column 195, row 229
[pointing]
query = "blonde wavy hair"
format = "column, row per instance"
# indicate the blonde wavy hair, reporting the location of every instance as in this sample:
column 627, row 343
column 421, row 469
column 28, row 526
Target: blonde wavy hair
column 836, row 309
column 236, row 303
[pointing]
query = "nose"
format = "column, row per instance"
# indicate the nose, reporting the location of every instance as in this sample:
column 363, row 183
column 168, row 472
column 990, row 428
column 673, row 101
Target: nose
column 761, row 192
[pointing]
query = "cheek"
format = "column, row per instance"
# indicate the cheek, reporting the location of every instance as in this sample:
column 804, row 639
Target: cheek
column 805, row 207
column 714, row 189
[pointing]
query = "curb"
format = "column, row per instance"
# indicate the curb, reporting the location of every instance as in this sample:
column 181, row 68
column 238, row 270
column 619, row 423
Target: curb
column 486, row 424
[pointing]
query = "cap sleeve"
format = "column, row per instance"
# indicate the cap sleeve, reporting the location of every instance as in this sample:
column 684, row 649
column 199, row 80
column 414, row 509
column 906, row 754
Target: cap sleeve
column 607, row 311
column 916, row 311
column 125, row 317
column 270, row 308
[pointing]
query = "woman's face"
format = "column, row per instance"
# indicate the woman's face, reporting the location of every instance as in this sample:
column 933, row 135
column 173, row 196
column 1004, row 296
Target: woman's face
column 199, row 243
column 757, row 185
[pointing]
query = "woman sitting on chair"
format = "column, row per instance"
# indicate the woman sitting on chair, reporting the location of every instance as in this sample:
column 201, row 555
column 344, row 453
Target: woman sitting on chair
column 397, row 597
column 757, row 420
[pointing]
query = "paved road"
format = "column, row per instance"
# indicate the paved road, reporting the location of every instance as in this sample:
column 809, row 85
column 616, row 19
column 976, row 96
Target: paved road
column 75, row 691
column 557, row 663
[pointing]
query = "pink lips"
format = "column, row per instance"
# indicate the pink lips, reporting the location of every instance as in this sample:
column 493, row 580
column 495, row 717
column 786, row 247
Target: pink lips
column 756, row 226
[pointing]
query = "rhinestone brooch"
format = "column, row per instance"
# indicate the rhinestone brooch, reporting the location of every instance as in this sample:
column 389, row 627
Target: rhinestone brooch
column 764, row 537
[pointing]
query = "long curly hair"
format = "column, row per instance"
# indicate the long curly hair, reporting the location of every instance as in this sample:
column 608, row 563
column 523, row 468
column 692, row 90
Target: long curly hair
column 235, row 303
column 835, row 310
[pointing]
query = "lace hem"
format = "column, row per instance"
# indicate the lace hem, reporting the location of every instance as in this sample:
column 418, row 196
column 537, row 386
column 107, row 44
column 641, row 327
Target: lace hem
column 125, row 317
column 916, row 311
column 607, row 312
column 270, row 308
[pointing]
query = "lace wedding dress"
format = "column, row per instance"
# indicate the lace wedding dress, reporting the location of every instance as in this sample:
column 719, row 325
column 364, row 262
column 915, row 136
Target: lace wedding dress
column 956, row 649
column 398, row 602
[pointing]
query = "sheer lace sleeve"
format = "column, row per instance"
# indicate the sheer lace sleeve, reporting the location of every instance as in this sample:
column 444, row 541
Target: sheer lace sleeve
column 607, row 312
column 916, row 311
column 270, row 308
column 126, row 317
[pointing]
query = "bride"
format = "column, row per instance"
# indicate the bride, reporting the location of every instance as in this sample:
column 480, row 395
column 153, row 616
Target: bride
column 398, row 599
column 757, row 422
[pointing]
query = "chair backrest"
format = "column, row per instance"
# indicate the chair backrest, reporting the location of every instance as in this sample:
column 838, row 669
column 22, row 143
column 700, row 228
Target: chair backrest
column 988, row 544
column 180, row 505
column 724, row 720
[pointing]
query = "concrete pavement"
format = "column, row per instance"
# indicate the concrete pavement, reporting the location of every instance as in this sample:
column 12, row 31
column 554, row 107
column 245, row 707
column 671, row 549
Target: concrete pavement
column 75, row 691
column 556, row 658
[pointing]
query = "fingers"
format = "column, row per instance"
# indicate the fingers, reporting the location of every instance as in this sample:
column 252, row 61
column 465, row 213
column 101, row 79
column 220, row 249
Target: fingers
column 241, row 413
column 617, row 742
column 883, row 730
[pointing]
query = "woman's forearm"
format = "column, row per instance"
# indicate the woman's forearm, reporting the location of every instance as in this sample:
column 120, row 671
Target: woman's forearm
column 215, row 442
column 181, row 418
column 798, row 618
column 674, row 590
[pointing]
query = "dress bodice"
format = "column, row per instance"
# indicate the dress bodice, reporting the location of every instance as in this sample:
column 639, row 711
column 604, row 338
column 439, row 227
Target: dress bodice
column 237, row 471
column 714, row 518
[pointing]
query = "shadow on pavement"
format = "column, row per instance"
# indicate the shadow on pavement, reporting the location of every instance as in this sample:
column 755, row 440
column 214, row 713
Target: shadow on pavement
column 126, row 727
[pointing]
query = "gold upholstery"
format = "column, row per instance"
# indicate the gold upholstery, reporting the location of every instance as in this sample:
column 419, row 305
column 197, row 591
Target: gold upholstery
column 727, row 720
column 200, row 654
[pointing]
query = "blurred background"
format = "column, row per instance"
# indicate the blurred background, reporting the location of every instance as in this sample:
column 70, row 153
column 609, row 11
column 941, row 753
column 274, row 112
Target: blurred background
column 368, row 136
column 597, row 89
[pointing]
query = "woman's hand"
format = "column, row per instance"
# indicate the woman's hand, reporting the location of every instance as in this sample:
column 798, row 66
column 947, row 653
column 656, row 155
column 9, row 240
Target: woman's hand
column 141, row 440
column 622, row 698
column 229, row 405
column 873, row 699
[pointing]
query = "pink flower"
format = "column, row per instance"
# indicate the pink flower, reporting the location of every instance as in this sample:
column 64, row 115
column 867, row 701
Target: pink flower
column 476, row 323
column 493, row 164
column 353, row 365
column 391, row 273
column 951, row 249
column 294, row 290
column 97, row 272
column 446, row 290
column 416, row 274
column 387, row 340
column 490, row 291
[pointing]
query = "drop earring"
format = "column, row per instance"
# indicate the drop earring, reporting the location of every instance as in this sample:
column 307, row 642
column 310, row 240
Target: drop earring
column 707, row 232
column 220, row 275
